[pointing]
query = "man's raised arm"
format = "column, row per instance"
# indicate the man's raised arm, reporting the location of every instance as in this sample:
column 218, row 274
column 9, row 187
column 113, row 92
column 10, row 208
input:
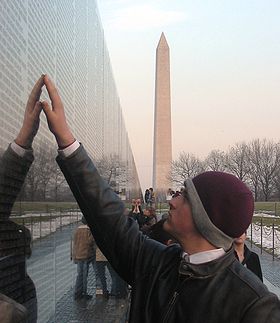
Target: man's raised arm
column 116, row 235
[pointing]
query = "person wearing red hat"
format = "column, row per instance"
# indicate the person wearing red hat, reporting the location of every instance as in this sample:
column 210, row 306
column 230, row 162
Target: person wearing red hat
column 198, row 280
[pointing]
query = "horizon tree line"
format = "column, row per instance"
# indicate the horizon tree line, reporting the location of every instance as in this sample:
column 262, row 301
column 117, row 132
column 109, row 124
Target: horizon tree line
column 257, row 163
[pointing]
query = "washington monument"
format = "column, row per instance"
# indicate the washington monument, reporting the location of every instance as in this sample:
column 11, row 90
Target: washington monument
column 162, row 119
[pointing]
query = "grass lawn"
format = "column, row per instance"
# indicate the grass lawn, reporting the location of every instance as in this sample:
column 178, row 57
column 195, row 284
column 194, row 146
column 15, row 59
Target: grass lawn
column 43, row 207
column 266, row 221
column 268, row 206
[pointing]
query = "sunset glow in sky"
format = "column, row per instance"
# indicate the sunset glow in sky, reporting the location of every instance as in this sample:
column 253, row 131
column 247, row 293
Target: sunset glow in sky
column 225, row 71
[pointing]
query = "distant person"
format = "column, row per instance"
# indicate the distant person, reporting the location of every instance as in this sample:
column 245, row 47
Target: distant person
column 15, row 239
column 147, row 197
column 247, row 257
column 83, row 253
column 136, row 210
column 152, row 199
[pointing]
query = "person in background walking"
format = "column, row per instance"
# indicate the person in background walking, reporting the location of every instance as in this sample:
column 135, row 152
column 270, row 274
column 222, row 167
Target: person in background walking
column 83, row 252
column 247, row 257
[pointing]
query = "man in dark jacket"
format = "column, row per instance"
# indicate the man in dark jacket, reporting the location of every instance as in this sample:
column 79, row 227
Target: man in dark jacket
column 199, row 280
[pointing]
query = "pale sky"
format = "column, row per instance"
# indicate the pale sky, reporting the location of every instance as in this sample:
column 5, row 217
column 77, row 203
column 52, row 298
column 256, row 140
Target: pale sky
column 225, row 71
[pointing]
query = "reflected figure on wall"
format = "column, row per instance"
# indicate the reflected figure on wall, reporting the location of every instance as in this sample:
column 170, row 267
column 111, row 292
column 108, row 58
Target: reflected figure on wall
column 15, row 282
column 15, row 239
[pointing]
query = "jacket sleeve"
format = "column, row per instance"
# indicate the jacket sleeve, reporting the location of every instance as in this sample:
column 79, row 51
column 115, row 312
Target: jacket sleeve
column 265, row 310
column 13, row 170
column 116, row 234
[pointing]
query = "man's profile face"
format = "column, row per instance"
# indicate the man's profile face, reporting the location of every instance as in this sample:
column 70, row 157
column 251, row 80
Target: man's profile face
column 179, row 221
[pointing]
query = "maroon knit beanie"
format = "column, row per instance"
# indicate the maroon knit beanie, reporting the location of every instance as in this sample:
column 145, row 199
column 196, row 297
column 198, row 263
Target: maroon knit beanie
column 227, row 200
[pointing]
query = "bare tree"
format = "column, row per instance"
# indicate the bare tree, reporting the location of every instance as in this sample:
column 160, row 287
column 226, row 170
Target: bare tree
column 264, row 162
column 39, row 174
column 187, row 165
column 256, row 163
column 57, row 186
column 32, row 182
column 237, row 160
column 277, row 183
column 106, row 167
column 114, row 171
column 216, row 161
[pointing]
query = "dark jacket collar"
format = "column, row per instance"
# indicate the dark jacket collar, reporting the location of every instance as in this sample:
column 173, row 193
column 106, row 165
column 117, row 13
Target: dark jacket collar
column 207, row 269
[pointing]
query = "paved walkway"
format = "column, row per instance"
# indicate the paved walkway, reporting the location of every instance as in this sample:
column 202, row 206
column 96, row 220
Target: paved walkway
column 96, row 310
column 270, row 269
column 54, row 276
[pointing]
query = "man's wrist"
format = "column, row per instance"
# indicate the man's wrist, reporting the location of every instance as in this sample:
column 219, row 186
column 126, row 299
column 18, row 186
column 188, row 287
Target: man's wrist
column 23, row 141
column 19, row 150
column 65, row 139
column 65, row 152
